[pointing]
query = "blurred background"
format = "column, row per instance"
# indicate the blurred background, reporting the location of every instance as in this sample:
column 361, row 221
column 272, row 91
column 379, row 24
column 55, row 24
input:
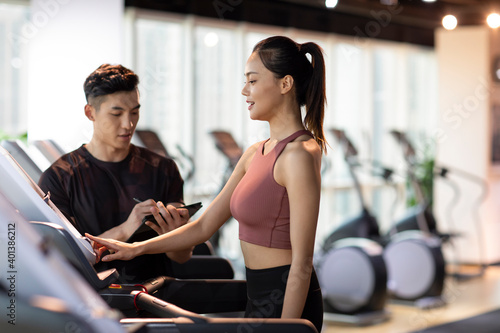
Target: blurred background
column 390, row 66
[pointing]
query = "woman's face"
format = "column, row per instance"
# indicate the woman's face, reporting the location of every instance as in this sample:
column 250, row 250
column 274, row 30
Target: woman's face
column 262, row 89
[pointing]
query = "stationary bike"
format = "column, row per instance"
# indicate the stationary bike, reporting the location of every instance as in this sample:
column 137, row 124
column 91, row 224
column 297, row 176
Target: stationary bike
column 351, row 268
column 448, row 176
column 406, row 254
column 414, row 256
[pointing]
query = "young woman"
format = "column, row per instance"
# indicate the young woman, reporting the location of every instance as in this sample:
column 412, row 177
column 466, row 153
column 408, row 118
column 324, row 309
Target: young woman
column 274, row 191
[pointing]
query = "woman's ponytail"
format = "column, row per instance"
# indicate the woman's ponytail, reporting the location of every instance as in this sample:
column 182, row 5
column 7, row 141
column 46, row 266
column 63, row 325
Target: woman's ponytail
column 315, row 94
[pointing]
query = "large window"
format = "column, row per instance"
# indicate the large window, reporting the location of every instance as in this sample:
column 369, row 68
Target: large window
column 371, row 88
column 14, row 41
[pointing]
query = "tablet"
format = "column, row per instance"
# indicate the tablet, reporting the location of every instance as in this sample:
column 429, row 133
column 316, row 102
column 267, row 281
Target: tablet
column 143, row 232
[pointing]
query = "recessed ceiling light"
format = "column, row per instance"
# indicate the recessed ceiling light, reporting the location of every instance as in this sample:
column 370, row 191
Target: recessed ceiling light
column 493, row 20
column 450, row 22
column 331, row 3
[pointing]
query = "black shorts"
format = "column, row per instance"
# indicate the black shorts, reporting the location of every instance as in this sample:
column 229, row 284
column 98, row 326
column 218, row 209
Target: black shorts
column 266, row 293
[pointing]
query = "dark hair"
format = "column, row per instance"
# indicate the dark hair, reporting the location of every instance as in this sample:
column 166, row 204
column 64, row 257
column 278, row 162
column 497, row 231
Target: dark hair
column 282, row 56
column 108, row 79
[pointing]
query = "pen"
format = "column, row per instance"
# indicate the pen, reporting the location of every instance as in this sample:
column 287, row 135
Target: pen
column 139, row 201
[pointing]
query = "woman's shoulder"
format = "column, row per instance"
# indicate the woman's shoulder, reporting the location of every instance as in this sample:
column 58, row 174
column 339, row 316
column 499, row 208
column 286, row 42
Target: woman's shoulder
column 299, row 158
column 303, row 147
column 301, row 154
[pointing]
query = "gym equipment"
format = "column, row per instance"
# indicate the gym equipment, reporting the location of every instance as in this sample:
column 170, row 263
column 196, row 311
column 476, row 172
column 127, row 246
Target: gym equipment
column 228, row 146
column 444, row 173
column 399, row 245
column 43, row 283
column 50, row 149
column 43, row 293
column 150, row 140
column 416, row 268
column 414, row 257
column 419, row 217
column 26, row 196
column 19, row 152
column 365, row 224
column 133, row 300
column 36, row 206
column 351, row 268
column 353, row 280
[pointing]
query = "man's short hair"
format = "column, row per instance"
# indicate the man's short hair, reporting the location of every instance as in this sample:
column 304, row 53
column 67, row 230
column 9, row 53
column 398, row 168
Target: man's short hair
column 108, row 79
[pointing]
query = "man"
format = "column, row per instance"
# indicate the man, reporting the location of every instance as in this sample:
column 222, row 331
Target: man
column 98, row 186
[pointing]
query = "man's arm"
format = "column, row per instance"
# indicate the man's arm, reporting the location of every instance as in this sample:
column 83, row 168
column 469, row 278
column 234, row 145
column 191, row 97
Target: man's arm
column 123, row 231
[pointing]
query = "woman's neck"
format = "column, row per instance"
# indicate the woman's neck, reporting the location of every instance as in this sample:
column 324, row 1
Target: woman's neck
column 284, row 126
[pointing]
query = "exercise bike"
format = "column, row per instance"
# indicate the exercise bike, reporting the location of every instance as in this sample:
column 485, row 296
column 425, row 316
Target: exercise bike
column 414, row 256
column 351, row 268
column 446, row 175
column 398, row 245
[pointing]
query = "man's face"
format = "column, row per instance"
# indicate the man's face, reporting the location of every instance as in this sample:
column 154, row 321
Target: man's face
column 116, row 119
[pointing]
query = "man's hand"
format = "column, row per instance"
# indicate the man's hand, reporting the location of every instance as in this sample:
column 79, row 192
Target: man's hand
column 137, row 214
column 171, row 218
column 123, row 231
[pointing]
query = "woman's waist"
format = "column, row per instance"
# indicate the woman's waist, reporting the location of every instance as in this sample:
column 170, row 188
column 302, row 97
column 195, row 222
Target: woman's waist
column 262, row 257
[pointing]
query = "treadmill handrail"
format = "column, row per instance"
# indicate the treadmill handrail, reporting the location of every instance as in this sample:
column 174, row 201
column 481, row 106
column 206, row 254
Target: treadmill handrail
column 161, row 308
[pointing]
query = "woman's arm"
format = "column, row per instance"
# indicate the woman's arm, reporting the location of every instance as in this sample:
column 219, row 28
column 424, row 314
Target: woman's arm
column 188, row 235
column 301, row 176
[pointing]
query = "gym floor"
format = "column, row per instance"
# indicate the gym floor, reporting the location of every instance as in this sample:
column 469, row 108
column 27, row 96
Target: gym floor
column 464, row 299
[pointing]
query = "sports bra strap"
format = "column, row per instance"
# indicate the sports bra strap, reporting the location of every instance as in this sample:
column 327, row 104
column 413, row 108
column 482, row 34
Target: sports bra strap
column 282, row 144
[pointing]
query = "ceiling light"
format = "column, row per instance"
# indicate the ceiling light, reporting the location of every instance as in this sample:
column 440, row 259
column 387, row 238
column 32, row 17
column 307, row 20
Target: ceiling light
column 449, row 22
column 331, row 3
column 493, row 20
column 211, row 39
column 429, row 0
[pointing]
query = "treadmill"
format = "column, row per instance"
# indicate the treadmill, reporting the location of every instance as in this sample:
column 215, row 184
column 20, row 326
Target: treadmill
column 56, row 283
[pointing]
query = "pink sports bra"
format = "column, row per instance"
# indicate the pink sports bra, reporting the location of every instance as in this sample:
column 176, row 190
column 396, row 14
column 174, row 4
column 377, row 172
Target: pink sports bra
column 259, row 204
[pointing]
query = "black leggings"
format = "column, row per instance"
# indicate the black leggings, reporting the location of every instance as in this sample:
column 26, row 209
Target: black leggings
column 266, row 293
